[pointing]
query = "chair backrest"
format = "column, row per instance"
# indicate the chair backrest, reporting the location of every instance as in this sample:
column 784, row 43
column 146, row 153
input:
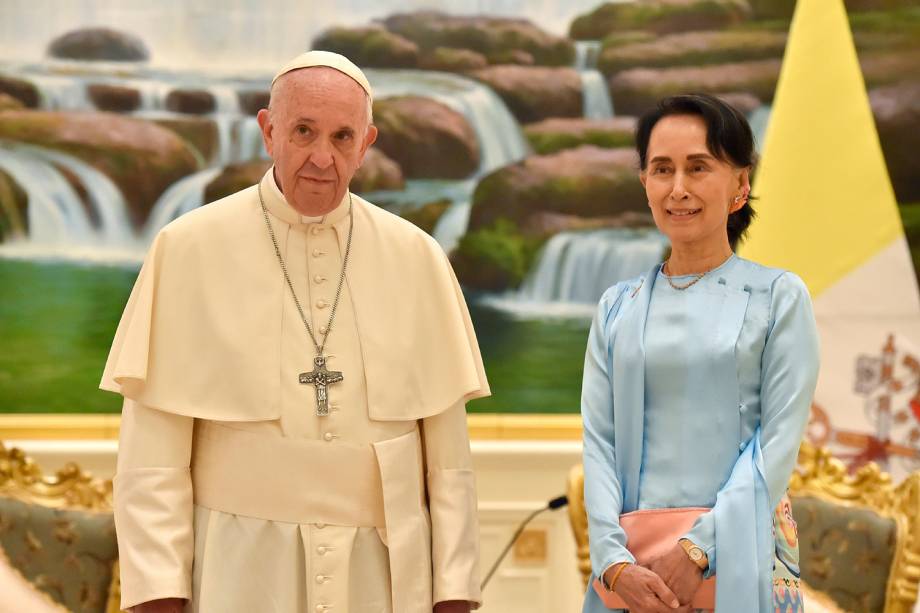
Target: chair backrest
column 57, row 532
column 859, row 535
column 838, row 514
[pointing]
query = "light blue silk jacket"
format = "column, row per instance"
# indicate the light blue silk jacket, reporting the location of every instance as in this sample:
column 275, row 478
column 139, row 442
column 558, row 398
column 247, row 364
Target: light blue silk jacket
column 737, row 387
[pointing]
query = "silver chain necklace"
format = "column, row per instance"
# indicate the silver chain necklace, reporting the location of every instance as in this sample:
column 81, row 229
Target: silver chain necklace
column 320, row 378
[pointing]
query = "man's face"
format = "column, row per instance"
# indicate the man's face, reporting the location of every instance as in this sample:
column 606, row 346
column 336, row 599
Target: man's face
column 316, row 132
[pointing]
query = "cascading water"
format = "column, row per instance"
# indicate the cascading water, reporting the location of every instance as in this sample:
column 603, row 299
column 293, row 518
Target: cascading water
column 452, row 225
column 60, row 225
column 595, row 93
column 103, row 195
column 578, row 266
column 61, row 92
column 575, row 268
column 56, row 214
column 249, row 140
column 759, row 118
column 186, row 194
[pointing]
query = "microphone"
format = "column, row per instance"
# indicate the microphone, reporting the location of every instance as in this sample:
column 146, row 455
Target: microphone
column 556, row 503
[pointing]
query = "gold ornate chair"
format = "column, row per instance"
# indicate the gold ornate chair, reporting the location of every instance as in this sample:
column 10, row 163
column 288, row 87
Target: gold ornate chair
column 58, row 534
column 859, row 536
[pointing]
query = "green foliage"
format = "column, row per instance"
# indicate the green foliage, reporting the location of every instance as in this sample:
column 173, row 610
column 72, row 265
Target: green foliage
column 660, row 16
column 546, row 142
column 371, row 47
column 630, row 37
column 495, row 257
column 426, row 217
column 694, row 49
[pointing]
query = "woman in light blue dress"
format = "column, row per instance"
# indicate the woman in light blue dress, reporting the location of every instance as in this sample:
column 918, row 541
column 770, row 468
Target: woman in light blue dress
column 698, row 381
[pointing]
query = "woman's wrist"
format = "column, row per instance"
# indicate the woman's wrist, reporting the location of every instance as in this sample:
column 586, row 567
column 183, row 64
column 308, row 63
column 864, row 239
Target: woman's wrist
column 614, row 572
column 695, row 553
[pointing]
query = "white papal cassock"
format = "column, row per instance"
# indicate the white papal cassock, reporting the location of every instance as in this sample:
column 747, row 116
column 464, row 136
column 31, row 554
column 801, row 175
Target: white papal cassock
column 230, row 490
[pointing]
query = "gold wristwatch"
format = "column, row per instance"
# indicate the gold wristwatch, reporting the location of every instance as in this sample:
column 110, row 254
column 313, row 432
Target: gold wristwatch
column 695, row 553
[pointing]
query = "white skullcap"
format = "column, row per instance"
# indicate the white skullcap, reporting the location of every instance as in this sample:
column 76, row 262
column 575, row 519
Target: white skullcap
column 329, row 60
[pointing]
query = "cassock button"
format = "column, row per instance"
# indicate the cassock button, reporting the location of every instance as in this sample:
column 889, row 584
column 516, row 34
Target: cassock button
column 321, row 550
column 741, row 446
column 742, row 408
column 316, row 229
column 318, row 278
column 317, row 253
column 320, row 579
column 323, row 329
column 320, row 525
column 328, row 436
column 321, row 304
column 321, row 607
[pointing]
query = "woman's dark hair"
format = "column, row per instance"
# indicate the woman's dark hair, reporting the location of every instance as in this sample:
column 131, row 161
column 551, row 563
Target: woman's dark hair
column 728, row 138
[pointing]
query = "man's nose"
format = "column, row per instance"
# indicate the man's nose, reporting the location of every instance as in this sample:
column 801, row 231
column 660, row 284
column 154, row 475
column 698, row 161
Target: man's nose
column 321, row 156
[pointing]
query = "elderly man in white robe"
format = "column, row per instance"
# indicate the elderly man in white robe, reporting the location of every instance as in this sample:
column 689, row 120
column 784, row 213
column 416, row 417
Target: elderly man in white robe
column 295, row 364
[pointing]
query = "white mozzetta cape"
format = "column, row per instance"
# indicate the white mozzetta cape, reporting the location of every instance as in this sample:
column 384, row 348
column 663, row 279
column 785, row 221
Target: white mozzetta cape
column 200, row 335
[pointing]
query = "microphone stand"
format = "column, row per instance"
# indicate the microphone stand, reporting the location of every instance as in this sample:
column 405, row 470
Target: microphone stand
column 552, row 505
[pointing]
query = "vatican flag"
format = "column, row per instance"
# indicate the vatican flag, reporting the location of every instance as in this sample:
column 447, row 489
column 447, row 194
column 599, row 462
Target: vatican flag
column 827, row 211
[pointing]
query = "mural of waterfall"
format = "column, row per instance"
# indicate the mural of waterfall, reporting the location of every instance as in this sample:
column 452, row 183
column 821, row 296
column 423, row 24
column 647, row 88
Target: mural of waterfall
column 501, row 141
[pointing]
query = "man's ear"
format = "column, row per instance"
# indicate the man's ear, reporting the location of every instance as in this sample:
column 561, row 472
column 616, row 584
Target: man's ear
column 265, row 125
column 369, row 139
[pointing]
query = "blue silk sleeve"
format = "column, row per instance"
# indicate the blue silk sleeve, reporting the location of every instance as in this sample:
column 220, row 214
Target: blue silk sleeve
column 789, row 373
column 603, row 492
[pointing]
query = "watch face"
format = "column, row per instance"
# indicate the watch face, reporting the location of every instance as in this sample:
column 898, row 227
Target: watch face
column 696, row 554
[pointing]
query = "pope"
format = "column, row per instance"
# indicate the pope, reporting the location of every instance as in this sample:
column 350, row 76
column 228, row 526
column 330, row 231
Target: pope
column 295, row 364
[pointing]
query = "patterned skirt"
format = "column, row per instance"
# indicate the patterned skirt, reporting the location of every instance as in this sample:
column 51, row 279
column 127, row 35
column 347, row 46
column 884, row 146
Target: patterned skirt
column 787, row 592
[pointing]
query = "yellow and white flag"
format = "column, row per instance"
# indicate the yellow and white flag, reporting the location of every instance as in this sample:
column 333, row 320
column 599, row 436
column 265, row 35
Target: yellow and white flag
column 827, row 211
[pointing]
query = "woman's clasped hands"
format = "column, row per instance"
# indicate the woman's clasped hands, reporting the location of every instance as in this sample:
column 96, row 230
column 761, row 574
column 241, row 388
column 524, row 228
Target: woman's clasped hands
column 666, row 585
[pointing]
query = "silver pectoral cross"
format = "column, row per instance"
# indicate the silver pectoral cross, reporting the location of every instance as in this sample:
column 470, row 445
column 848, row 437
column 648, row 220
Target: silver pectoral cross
column 320, row 378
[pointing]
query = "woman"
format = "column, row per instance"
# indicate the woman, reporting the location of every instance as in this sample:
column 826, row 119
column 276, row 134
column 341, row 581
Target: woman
column 697, row 385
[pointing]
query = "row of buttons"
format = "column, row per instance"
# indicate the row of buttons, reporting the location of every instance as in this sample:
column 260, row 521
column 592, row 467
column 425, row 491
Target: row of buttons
column 320, row 578
column 318, row 279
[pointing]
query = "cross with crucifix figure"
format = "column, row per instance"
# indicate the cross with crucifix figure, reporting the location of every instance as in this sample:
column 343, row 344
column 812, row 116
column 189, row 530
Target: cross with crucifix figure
column 320, row 378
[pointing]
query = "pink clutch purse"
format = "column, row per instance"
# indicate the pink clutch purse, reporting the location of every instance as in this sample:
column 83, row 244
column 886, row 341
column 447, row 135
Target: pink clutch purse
column 651, row 533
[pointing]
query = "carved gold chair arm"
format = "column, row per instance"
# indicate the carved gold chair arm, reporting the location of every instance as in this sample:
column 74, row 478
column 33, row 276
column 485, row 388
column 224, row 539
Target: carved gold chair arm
column 70, row 487
column 578, row 519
